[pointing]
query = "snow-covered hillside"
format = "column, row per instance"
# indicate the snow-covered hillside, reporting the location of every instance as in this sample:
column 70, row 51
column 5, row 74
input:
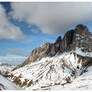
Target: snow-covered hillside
column 5, row 68
column 7, row 85
column 48, row 72
column 82, row 82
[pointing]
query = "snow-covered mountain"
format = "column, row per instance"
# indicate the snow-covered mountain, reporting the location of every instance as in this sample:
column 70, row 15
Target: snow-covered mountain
column 50, row 71
column 5, row 69
column 83, row 82
column 63, row 64
column 5, row 84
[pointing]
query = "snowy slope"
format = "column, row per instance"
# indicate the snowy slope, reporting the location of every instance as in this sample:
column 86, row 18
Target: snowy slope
column 7, row 85
column 82, row 82
column 58, row 70
column 4, row 68
column 62, row 70
column 80, row 52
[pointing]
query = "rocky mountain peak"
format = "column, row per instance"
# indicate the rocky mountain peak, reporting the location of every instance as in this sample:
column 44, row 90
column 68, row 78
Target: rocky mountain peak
column 81, row 27
column 80, row 37
column 67, row 41
column 82, row 30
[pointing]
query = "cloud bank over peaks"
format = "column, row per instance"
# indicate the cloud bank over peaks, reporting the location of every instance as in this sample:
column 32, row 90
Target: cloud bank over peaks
column 52, row 18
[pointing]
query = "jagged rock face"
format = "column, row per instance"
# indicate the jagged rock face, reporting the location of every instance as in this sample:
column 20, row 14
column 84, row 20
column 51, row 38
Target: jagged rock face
column 82, row 38
column 82, row 30
column 40, row 52
column 67, row 41
column 56, row 46
column 79, row 37
column 45, row 50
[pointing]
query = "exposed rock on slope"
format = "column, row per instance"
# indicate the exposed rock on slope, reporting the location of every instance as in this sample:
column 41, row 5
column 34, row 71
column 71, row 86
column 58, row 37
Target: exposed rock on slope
column 5, row 69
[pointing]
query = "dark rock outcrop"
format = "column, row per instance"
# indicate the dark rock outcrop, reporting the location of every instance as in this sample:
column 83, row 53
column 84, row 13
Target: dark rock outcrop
column 55, row 47
column 86, row 61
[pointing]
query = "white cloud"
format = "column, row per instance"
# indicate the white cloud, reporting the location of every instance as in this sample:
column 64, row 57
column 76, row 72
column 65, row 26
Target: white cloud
column 52, row 17
column 8, row 30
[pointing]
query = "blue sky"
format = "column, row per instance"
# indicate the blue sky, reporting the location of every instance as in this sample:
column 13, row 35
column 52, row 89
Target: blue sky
column 32, row 40
column 34, row 37
column 33, row 31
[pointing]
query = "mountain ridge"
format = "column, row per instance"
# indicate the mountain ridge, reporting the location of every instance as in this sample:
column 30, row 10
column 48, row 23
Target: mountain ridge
column 70, row 41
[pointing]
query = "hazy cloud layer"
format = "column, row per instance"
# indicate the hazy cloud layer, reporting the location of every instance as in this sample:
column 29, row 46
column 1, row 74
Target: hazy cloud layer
column 12, row 60
column 52, row 17
column 18, row 51
column 2, row 53
column 8, row 30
